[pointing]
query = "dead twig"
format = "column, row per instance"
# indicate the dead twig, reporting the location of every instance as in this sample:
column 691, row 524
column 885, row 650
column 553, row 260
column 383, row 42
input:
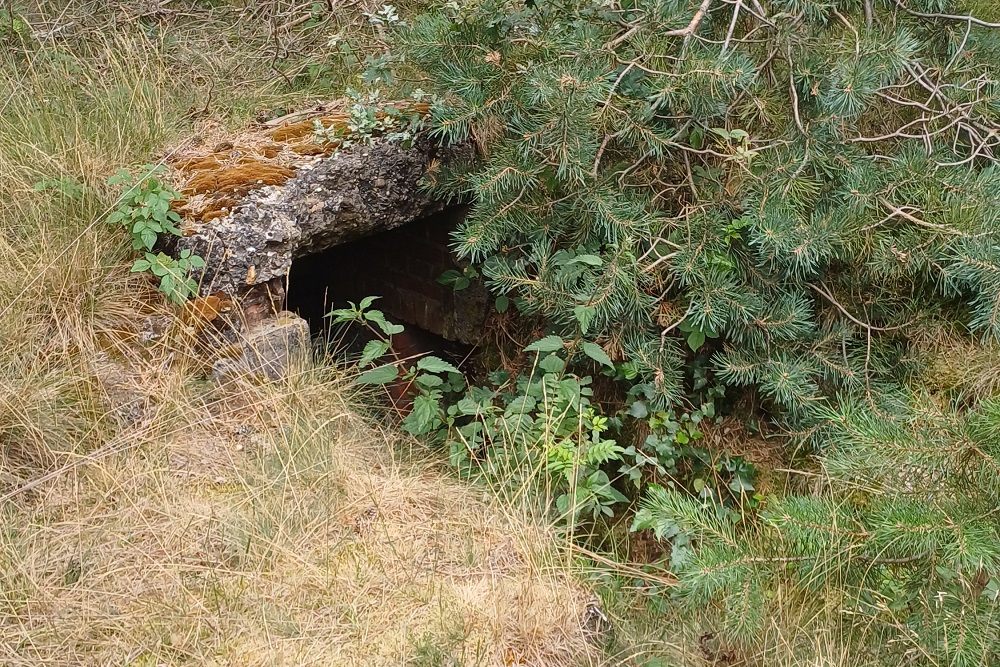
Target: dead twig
column 949, row 17
column 686, row 31
column 870, row 327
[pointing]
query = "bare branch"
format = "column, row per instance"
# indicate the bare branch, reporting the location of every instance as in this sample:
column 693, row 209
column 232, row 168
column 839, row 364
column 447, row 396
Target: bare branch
column 951, row 17
column 795, row 98
column 829, row 297
column 693, row 25
column 732, row 25
column 902, row 212
column 686, row 31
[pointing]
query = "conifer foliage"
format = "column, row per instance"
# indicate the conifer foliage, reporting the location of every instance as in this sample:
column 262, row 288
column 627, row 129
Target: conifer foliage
column 902, row 547
column 795, row 187
column 801, row 178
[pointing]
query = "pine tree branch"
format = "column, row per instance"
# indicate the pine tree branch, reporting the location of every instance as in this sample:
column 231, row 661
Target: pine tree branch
column 686, row 31
column 950, row 17
column 732, row 26
column 870, row 327
column 693, row 25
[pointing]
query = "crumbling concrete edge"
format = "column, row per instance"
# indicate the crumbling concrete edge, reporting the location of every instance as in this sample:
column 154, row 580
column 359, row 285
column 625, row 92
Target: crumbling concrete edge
column 354, row 193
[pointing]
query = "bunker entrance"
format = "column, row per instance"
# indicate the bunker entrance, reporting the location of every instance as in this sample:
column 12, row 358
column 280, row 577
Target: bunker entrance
column 403, row 267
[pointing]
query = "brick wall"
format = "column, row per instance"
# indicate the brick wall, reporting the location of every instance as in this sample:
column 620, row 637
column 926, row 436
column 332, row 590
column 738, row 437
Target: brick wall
column 402, row 266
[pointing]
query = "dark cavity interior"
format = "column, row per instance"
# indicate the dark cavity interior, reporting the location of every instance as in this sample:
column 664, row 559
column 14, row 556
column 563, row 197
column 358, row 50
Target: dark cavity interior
column 402, row 266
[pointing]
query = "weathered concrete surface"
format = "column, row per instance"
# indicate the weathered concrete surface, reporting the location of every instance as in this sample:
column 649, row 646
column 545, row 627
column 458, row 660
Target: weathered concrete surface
column 271, row 349
column 354, row 193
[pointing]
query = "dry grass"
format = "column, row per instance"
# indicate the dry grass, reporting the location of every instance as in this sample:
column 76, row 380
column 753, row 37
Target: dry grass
column 152, row 518
column 272, row 526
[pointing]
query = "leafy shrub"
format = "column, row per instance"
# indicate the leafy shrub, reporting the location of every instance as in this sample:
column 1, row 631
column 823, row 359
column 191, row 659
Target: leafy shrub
column 903, row 543
column 144, row 210
column 796, row 190
column 429, row 378
column 174, row 274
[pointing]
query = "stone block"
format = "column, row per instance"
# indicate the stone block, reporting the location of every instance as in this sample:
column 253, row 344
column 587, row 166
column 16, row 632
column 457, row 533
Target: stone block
column 273, row 346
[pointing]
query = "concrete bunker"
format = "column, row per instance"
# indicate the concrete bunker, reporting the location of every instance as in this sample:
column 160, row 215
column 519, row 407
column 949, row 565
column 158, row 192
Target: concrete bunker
column 331, row 227
column 402, row 266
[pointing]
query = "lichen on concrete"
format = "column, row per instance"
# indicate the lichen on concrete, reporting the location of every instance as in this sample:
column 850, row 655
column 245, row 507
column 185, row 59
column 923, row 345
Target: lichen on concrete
column 332, row 200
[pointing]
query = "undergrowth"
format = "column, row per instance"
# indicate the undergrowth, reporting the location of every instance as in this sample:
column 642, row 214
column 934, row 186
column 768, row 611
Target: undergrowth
column 151, row 517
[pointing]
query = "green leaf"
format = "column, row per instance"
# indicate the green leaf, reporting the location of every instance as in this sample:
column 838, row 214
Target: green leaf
column 148, row 238
column 432, row 364
column 695, row 340
column 552, row 363
column 639, row 410
column 590, row 260
column 597, row 353
column 547, row 344
column 429, row 381
column 373, row 350
column 501, row 304
column 424, row 415
column 378, row 317
column 119, row 177
column 584, row 315
column 367, row 302
column 341, row 315
column 140, row 266
column 378, row 376
column 697, row 138
column 158, row 268
column 740, row 484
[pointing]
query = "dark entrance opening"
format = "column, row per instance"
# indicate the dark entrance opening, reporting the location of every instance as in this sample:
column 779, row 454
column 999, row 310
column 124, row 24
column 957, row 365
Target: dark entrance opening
column 403, row 267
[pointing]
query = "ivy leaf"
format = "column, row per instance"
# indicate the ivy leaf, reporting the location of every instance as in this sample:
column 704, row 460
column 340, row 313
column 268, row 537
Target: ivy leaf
column 373, row 350
column 547, row 344
column 434, row 364
column 380, row 375
column 597, row 353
